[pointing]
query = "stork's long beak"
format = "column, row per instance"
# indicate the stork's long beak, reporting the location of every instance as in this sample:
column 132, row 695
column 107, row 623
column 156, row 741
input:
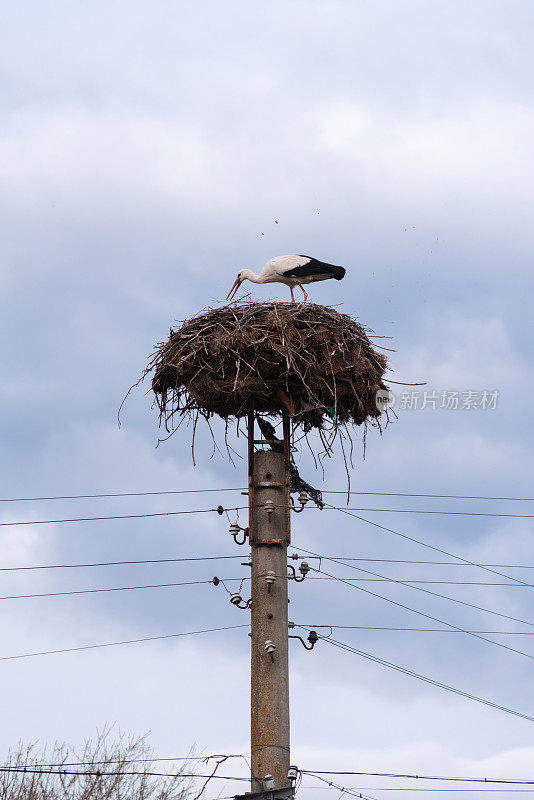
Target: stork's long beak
column 233, row 290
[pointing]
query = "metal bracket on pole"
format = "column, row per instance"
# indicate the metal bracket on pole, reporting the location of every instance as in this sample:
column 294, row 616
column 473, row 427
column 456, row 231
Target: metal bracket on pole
column 287, row 793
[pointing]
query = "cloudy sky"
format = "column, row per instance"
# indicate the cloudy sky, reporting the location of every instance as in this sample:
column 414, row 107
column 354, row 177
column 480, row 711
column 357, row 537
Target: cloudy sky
column 147, row 152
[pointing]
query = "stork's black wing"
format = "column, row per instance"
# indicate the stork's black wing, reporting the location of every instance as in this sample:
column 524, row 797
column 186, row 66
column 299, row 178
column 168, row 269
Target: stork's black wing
column 315, row 267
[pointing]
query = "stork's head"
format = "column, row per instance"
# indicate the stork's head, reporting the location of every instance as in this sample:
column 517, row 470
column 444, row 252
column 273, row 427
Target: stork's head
column 237, row 283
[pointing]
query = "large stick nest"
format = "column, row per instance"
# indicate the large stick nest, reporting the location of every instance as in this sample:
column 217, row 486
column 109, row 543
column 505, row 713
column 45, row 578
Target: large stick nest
column 312, row 360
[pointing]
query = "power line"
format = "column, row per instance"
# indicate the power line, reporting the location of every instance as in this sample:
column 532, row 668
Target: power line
column 413, row 581
column 104, row 773
column 314, row 773
column 430, row 511
column 344, row 558
column 428, row 616
column 342, row 789
column 115, row 494
column 147, row 759
column 410, row 586
column 328, row 507
column 354, row 791
column 217, row 558
column 424, row 678
column 434, row 619
column 95, row 763
column 244, row 488
column 116, row 563
column 435, row 496
column 144, row 759
column 111, row 589
column 219, row 757
column 419, row 777
column 418, row 630
column 324, row 576
column 417, row 789
column 219, row 510
column 436, row 563
column 126, row 641
column 425, row 544
column 241, row 508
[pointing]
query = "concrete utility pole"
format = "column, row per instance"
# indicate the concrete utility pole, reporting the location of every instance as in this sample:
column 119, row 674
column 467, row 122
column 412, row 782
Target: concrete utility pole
column 269, row 536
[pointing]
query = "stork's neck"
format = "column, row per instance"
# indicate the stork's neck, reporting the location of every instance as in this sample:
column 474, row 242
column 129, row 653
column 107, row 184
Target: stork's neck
column 248, row 275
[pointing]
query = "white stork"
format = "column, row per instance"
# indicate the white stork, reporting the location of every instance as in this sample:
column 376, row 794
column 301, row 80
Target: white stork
column 291, row 270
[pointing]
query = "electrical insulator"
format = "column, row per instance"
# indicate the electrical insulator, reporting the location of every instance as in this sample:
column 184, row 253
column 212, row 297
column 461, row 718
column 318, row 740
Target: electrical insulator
column 235, row 530
column 235, row 598
column 313, row 638
column 293, row 773
column 269, row 507
column 268, row 783
column 270, row 647
column 270, row 578
column 303, row 498
column 304, row 568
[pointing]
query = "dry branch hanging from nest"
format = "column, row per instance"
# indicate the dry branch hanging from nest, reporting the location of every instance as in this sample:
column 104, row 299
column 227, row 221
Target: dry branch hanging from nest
column 310, row 359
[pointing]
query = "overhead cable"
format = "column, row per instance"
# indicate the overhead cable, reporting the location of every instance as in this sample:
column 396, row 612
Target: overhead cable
column 357, row 789
column 425, row 544
column 413, row 581
column 434, row 496
column 424, row 678
column 434, row 619
column 410, row 776
column 105, row 773
column 342, row 789
column 418, row 630
column 116, row 494
column 126, row 641
column 244, row 488
column 117, row 563
column 217, row 558
column 145, row 759
column 435, row 563
column 219, row 510
column 112, row 589
column 242, row 508
column 410, row 586
column 429, row 511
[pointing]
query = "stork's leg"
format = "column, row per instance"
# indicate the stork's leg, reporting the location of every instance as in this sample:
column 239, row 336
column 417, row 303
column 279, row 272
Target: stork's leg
column 305, row 293
column 292, row 295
